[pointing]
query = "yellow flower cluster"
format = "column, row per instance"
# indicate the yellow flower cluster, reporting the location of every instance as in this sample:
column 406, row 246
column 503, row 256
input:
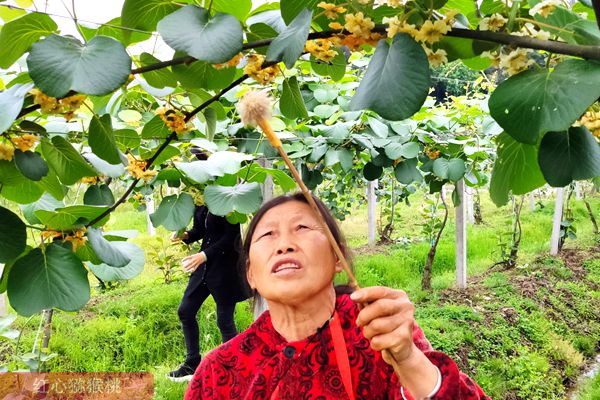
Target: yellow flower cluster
column 492, row 23
column 321, row 49
column 174, row 119
column 7, row 151
column 331, row 10
column 516, row 61
column 436, row 58
column 24, row 142
column 50, row 234
column 231, row 63
column 353, row 42
column 89, row 180
column 395, row 26
column 137, row 169
column 591, row 120
column 395, row 3
column 432, row 32
column 51, row 105
column 257, row 72
column 358, row 25
column 77, row 238
column 432, row 153
column 544, row 8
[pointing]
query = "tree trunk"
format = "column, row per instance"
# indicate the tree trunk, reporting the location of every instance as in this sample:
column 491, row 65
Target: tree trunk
column 426, row 279
column 558, row 208
column 477, row 209
column 372, row 214
column 591, row 215
column 517, row 232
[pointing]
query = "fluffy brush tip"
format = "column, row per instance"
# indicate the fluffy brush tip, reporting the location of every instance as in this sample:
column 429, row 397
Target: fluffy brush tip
column 255, row 106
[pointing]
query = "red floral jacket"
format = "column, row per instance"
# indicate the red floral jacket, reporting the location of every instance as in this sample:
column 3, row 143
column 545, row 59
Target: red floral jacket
column 254, row 363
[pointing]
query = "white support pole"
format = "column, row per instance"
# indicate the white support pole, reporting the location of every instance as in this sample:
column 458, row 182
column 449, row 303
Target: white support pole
column 577, row 191
column 461, row 238
column 469, row 201
column 150, row 210
column 372, row 212
column 558, row 211
column 267, row 186
column 531, row 201
column 2, row 296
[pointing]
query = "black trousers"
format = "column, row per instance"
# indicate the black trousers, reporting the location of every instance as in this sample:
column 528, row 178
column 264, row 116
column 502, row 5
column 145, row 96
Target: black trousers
column 195, row 294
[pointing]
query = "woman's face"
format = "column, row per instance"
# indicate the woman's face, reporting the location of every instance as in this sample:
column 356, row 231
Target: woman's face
column 290, row 257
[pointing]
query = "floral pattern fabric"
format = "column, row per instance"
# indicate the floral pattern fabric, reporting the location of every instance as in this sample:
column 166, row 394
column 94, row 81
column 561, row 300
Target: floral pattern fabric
column 254, row 363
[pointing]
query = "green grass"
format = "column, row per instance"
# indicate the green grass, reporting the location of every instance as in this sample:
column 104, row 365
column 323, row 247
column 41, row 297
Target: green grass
column 515, row 346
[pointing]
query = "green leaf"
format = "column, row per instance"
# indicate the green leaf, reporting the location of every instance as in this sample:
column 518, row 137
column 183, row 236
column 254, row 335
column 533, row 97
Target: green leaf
column 155, row 129
column 127, row 138
column 18, row 35
column 113, row 28
column 346, row 159
column 325, row 111
column 406, row 172
column 68, row 164
column 11, row 102
column 31, row 164
column 26, row 192
column 98, row 195
column 174, row 212
column 200, row 74
column 64, row 219
column 52, row 185
column 54, row 279
column 237, row 8
column 60, row 64
column 168, row 153
column 292, row 104
column 102, row 141
column 516, row 169
column 129, row 271
column 291, row 8
column 538, row 101
column 13, row 235
column 569, row 156
column 289, row 45
column 218, row 164
column 453, row 169
column 210, row 115
column 372, row 171
column 336, row 68
column 160, row 78
column 190, row 30
column 9, row 174
column 244, row 198
column 397, row 80
column 406, row 150
column 326, row 93
column 46, row 202
column 145, row 14
column 106, row 251
column 104, row 168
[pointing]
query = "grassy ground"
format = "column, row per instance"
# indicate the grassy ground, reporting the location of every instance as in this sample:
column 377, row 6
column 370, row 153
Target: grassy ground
column 523, row 334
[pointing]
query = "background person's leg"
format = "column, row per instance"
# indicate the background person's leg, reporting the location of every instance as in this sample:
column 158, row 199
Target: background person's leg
column 193, row 297
column 225, row 321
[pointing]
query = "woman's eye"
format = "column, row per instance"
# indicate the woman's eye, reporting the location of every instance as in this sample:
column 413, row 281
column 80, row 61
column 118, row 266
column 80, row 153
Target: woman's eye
column 269, row 233
column 302, row 227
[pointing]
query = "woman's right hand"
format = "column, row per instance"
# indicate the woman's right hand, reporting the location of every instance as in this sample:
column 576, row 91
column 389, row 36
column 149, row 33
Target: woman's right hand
column 191, row 263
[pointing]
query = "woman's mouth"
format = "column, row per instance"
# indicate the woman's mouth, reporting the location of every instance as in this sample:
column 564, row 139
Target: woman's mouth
column 283, row 266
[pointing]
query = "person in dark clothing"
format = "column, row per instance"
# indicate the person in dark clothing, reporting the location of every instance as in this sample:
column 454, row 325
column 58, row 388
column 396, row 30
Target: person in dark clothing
column 213, row 273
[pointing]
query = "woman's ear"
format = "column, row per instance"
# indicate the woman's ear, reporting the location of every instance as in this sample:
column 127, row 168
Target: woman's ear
column 249, row 276
column 338, row 265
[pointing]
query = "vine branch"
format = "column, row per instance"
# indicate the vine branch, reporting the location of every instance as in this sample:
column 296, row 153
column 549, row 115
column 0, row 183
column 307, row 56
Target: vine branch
column 164, row 145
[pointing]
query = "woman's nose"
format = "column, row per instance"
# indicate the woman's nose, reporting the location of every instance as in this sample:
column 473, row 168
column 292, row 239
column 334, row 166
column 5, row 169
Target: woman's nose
column 285, row 244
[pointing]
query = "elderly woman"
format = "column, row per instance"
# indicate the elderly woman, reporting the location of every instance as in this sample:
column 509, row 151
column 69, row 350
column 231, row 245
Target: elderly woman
column 314, row 343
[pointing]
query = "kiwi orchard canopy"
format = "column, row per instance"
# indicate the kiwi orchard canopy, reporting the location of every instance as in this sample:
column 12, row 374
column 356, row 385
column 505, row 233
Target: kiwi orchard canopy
column 348, row 77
